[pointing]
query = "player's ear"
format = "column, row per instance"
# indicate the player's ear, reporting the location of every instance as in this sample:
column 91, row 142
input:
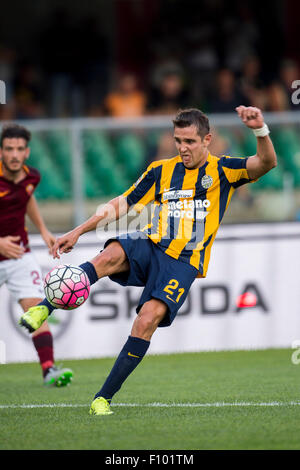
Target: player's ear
column 27, row 152
column 207, row 140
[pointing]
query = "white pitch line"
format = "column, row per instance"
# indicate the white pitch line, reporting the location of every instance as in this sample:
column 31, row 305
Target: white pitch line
column 156, row 405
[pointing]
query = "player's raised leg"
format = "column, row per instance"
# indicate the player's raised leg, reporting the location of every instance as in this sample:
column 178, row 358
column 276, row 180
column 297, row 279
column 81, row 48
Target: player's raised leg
column 43, row 342
column 111, row 260
column 145, row 324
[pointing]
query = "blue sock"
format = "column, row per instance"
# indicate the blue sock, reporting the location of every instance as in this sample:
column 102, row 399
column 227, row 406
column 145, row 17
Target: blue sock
column 47, row 304
column 90, row 272
column 131, row 355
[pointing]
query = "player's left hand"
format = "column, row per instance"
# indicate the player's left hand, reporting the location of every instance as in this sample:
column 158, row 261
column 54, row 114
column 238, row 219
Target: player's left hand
column 251, row 116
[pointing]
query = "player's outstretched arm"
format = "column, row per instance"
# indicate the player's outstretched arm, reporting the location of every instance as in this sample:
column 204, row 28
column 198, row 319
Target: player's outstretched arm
column 265, row 158
column 108, row 213
column 33, row 212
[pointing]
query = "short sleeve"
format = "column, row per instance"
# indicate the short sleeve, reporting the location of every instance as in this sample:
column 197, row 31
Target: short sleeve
column 142, row 191
column 33, row 175
column 235, row 170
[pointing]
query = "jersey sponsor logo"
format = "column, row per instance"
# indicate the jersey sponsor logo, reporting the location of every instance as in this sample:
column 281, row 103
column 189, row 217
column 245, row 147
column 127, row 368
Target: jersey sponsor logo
column 207, row 181
column 4, row 193
column 178, row 194
column 188, row 209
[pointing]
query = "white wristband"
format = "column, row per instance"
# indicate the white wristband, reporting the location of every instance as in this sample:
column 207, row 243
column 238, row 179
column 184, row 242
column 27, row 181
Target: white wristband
column 262, row 132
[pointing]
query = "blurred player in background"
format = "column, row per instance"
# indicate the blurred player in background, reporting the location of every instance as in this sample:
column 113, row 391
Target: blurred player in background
column 190, row 194
column 18, row 267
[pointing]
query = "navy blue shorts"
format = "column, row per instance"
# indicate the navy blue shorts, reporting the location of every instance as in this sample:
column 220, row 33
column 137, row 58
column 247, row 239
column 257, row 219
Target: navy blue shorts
column 163, row 277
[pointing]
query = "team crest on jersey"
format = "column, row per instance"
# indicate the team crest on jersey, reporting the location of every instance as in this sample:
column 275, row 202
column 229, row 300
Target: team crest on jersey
column 207, row 181
column 29, row 188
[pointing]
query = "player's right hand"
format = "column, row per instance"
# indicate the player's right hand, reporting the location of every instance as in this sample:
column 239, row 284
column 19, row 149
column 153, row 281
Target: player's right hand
column 64, row 244
column 10, row 248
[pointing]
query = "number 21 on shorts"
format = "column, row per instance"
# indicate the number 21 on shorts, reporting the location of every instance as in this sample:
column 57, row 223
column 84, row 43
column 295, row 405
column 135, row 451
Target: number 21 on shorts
column 171, row 288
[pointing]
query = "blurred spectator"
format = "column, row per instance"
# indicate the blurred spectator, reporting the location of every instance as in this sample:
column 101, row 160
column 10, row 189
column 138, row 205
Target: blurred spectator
column 220, row 145
column 92, row 70
column 280, row 90
column 28, row 93
column 7, row 69
column 7, row 74
column 166, row 146
column 163, row 63
column 127, row 100
column 240, row 36
column 259, row 98
column 288, row 73
column 169, row 96
column 278, row 99
column 202, row 61
column 59, row 45
column 251, row 77
column 226, row 96
column 251, row 83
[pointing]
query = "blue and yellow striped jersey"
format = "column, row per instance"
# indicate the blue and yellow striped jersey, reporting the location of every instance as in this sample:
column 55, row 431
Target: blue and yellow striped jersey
column 188, row 205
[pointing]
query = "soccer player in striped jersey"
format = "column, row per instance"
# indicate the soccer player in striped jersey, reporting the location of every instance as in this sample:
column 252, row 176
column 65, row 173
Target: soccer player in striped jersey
column 189, row 195
column 18, row 267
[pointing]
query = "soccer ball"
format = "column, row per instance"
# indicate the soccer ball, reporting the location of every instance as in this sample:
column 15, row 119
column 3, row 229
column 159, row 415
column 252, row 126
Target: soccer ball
column 66, row 287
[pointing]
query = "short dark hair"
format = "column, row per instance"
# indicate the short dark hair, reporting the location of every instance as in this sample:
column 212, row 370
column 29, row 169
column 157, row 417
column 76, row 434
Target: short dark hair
column 11, row 131
column 192, row 116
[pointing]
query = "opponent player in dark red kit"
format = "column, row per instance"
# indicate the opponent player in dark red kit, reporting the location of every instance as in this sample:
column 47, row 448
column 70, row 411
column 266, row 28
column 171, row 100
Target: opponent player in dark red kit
column 18, row 267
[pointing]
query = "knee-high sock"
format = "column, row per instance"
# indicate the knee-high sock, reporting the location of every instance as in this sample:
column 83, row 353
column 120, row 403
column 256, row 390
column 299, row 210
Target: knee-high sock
column 90, row 271
column 131, row 355
column 43, row 344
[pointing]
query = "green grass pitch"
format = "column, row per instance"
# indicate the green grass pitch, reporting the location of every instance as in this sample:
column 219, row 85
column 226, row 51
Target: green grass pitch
column 212, row 400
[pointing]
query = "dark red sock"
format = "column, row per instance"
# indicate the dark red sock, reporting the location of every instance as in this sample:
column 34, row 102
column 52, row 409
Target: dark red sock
column 43, row 344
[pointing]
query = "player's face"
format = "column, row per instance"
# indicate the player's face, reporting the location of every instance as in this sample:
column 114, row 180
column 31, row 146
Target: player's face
column 13, row 153
column 191, row 146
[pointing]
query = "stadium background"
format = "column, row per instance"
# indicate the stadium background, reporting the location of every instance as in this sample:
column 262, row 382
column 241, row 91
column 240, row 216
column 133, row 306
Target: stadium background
column 98, row 84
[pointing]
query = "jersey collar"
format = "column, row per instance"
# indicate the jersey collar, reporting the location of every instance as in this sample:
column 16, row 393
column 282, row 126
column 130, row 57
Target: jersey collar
column 25, row 168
